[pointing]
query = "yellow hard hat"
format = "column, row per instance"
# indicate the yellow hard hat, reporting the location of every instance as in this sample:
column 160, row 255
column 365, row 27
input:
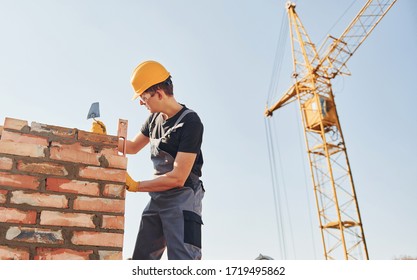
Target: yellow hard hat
column 147, row 74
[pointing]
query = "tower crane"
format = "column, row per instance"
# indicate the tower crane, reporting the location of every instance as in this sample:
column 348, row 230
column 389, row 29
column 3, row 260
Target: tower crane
column 340, row 221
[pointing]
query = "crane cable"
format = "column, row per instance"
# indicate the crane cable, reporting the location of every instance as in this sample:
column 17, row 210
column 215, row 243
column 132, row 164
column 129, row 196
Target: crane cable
column 338, row 20
column 278, row 200
column 306, row 185
column 282, row 200
column 279, row 55
column 274, row 179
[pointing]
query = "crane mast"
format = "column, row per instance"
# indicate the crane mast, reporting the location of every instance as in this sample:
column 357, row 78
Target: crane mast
column 340, row 221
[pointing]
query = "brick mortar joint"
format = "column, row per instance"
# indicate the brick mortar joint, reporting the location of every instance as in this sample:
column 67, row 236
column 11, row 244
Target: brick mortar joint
column 33, row 249
column 66, row 231
column 43, row 190
column 103, row 158
column 72, row 168
column 39, row 210
column 68, row 195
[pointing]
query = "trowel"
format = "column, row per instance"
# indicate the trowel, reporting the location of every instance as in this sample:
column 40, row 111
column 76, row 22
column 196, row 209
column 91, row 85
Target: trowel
column 93, row 113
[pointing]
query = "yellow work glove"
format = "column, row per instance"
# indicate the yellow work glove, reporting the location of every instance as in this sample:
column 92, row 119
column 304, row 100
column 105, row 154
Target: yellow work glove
column 98, row 127
column 131, row 185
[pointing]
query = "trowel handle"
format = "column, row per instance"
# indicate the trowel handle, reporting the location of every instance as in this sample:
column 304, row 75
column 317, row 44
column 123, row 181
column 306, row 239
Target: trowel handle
column 122, row 134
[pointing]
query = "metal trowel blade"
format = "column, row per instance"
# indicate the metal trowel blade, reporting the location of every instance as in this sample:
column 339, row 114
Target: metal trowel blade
column 94, row 111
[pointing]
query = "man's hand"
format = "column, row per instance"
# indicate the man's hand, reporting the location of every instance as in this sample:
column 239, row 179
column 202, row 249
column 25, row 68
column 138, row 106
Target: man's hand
column 131, row 185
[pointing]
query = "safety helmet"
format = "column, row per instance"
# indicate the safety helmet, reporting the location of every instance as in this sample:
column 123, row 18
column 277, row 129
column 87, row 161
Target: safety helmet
column 147, row 74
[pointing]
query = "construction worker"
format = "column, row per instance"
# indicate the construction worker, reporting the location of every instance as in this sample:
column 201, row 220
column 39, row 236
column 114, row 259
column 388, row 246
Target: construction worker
column 172, row 218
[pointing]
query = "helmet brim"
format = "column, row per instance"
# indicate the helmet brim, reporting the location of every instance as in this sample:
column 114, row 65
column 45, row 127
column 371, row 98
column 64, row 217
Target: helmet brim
column 136, row 96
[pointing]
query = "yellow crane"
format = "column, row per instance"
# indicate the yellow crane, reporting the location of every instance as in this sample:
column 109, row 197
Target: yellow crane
column 340, row 221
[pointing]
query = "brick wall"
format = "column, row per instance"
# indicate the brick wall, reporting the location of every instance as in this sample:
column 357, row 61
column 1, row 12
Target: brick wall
column 62, row 193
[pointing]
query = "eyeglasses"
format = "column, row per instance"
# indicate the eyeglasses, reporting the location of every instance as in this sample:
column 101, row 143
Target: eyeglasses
column 144, row 99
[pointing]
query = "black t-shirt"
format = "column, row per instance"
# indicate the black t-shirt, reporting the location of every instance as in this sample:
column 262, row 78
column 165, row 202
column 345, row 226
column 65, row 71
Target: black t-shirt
column 187, row 138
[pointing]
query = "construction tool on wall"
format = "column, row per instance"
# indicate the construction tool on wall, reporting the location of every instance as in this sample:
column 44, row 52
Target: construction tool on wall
column 97, row 126
column 122, row 134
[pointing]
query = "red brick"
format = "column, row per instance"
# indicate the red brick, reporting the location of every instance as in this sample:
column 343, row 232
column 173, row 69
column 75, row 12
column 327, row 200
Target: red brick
column 113, row 190
column 61, row 254
column 99, row 204
column 24, row 138
column 34, row 235
column 43, row 168
column 70, row 155
column 72, row 186
column 39, row 199
column 107, row 174
column 22, row 149
column 9, row 253
column 75, row 146
column 3, row 196
column 6, row 163
column 110, row 255
column 11, row 215
column 113, row 222
column 97, row 138
column 19, row 181
column 117, row 161
column 14, row 123
column 91, row 238
column 109, row 151
column 1, row 130
column 52, row 129
column 52, row 218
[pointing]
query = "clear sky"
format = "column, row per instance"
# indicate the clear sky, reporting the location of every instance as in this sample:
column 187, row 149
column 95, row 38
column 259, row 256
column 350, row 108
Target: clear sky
column 57, row 57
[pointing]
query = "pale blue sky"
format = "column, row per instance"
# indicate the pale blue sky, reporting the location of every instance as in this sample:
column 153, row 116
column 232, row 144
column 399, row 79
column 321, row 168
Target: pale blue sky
column 57, row 57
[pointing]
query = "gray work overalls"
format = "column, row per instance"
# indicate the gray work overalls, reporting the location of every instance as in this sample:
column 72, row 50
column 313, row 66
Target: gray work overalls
column 172, row 218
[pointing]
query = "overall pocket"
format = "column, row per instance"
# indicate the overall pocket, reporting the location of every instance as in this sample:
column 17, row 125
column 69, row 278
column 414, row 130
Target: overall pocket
column 192, row 228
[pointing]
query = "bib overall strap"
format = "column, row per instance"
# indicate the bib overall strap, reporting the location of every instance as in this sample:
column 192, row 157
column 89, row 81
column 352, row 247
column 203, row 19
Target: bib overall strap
column 177, row 123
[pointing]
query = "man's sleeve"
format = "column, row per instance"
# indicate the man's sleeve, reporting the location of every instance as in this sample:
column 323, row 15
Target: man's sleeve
column 145, row 126
column 192, row 137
